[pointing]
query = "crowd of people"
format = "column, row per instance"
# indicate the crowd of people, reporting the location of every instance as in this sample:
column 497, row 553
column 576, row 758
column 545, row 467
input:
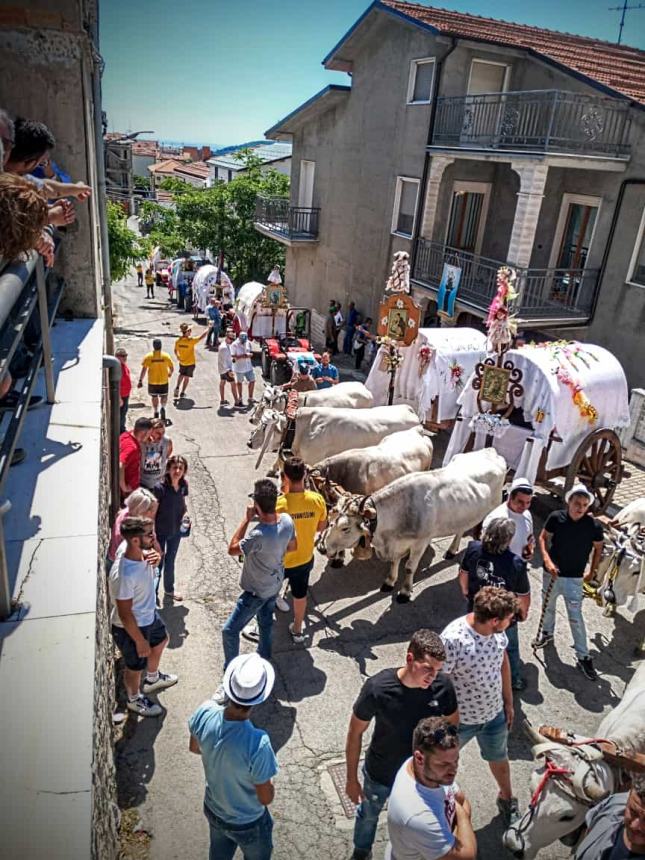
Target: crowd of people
column 358, row 337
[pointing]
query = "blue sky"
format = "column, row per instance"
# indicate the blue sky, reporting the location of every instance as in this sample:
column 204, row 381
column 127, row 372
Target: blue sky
column 221, row 72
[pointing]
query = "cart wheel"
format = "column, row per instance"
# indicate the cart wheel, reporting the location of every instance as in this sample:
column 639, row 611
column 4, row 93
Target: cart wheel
column 598, row 465
column 266, row 364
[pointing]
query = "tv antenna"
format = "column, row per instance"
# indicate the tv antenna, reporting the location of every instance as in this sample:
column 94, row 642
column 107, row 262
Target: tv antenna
column 624, row 9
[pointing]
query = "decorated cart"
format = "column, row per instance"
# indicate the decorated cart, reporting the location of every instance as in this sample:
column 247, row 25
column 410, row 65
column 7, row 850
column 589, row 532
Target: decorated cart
column 210, row 281
column 432, row 372
column 552, row 410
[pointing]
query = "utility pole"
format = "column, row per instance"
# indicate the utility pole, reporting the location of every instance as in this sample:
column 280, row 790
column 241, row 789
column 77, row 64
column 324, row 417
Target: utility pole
column 623, row 10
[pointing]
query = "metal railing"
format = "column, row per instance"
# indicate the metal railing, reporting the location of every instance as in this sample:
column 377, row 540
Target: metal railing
column 292, row 222
column 28, row 307
column 535, row 121
column 544, row 295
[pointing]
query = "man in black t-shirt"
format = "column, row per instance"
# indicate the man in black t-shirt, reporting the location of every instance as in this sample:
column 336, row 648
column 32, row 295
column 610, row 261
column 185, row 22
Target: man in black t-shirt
column 491, row 562
column 572, row 534
column 396, row 699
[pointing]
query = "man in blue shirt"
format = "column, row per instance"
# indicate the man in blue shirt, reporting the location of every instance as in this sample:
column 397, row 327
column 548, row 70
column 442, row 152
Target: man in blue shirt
column 325, row 374
column 214, row 324
column 239, row 762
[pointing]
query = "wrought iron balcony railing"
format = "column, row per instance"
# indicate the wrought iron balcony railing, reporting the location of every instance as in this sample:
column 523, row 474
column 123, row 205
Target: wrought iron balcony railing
column 535, row 121
column 275, row 215
column 544, row 295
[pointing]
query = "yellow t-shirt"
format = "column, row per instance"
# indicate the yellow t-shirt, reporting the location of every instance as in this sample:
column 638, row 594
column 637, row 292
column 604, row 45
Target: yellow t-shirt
column 306, row 510
column 159, row 366
column 150, row 278
column 185, row 350
column 139, row 268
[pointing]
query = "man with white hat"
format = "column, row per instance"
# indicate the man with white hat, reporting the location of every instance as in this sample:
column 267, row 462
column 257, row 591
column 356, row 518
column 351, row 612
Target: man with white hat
column 239, row 762
column 566, row 541
column 516, row 508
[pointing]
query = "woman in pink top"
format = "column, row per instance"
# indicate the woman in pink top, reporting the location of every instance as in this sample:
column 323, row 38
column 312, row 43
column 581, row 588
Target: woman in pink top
column 140, row 503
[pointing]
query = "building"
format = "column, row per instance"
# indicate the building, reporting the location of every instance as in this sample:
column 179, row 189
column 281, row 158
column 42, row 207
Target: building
column 119, row 174
column 225, row 165
column 193, row 173
column 475, row 143
column 144, row 153
column 57, row 793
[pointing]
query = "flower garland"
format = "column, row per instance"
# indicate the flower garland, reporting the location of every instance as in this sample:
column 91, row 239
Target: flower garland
column 392, row 357
column 425, row 357
column 500, row 324
column 573, row 353
column 489, row 423
column 586, row 409
column 570, row 350
column 456, row 376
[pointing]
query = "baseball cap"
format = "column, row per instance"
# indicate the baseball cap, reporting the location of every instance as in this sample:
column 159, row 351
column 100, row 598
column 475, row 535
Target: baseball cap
column 303, row 366
column 248, row 680
column 156, row 343
column 522, row 484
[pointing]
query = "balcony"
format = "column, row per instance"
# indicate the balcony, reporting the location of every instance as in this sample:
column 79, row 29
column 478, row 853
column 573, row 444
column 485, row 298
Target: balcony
column 546, row 297
column 538, row 121
column 277, row 219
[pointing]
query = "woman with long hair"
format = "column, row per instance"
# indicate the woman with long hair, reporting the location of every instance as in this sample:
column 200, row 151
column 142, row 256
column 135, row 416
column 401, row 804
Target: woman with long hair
column 171, row 494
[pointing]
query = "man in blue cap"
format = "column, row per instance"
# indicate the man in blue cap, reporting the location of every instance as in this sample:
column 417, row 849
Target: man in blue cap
column 301, row 379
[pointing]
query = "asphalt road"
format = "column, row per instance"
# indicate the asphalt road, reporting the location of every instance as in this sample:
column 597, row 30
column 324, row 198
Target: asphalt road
column 355, row 631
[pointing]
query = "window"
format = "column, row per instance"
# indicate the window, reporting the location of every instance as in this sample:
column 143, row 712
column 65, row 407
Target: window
column 405, row 205
column 420, row 82
column 636, row 273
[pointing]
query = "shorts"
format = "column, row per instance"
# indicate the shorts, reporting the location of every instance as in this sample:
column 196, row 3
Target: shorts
column 247, row 375
column 186, row 369
column 299, row 578
column 229, row 376
column 156, row 390
column 155, row 633
column 492, row 737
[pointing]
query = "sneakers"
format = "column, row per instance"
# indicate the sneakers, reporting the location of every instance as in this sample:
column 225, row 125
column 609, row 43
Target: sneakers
column 585, row 664
column 220, row 697
column 543, row 640
column 298, row 638
column 175, row 393
column 144, row 707
column 162, row 682
column 509, row 810
column 174, row 595
column 251, row 631
column 361, row 855
column 282, row 604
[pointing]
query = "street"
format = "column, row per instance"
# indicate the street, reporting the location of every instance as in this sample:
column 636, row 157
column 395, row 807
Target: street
column 355, row 630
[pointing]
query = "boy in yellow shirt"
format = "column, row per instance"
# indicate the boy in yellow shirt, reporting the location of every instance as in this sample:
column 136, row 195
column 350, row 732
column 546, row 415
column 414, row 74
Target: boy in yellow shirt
column 185, row 352
column 309, row 514
column 139, row 269
column 160, row 368
column 150, row 284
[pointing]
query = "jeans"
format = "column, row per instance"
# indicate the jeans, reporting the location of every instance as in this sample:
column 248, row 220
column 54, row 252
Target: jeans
column 348, row 340
column 374, row 796
column 360, row 355
column 247, row 607
column 254, row 840
column 571, row 589
column 123, row 411
column 492, row 737
column 513, row 651
column 169, row 545
column 211, row 337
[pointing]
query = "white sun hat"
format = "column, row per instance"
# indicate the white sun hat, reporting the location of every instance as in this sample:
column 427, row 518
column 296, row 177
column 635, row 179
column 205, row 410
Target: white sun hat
column 579, row 489
column 248, row 680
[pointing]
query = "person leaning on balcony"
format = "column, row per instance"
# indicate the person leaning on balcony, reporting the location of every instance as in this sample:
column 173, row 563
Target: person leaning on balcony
column 137, row 630
column 130, row 455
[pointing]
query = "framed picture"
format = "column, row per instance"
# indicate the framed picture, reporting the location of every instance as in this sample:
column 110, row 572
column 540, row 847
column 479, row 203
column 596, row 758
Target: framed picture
column 399, row 319
column 397, row 323
column 448, row 286
column 494, row 387
column 275, row 296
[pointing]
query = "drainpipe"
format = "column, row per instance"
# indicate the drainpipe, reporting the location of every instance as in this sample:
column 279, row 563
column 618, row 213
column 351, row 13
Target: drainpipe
column 610, row 238
column 113, row 366
column 426, row 162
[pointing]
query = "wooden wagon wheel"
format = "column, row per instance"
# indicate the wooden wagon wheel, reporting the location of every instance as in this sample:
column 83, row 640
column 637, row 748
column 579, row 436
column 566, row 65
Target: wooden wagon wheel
column 597, row 464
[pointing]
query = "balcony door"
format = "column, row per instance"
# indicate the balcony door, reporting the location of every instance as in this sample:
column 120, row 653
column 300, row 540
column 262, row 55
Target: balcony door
column 467, row 221
column 487, row 77
column 483, row 112
column 572, row 244
column 306, row 187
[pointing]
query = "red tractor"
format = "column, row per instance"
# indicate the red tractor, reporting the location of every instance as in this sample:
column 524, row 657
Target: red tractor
column 281, row 351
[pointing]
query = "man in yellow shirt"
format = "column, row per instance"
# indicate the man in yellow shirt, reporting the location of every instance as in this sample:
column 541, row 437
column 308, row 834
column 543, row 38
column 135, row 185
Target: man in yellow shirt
column 160, row 368
column 150, row 284
column 309, row 514
column 185, row 352
column 139, row 269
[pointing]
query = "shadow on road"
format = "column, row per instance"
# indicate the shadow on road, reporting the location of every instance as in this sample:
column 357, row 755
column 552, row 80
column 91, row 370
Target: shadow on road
column 174, row 617
column 134, row 757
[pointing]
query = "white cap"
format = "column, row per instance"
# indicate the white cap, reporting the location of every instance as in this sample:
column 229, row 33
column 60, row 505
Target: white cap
column 579, row 489
column 248, row 680
column 522, row 484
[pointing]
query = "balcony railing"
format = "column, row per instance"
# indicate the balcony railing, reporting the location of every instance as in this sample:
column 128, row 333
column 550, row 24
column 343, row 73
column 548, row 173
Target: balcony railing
column 544, row 295
column 535, row 121
column 295, row 223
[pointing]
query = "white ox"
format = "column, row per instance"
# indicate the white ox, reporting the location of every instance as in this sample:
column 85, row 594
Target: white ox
column 366, row 470
column 405, row 517
column 621, row 573
column 322, row 431
column 345, row 395
column 632, row 516
column 564, row 801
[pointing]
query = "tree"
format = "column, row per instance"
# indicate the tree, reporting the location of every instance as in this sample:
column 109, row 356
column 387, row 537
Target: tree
column 125, row 246
column 142, row 182
column 161, row 225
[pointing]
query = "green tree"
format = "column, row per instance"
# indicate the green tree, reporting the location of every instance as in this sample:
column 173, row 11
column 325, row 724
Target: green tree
column 161, row 225
column 125, row 246
column 142, row 182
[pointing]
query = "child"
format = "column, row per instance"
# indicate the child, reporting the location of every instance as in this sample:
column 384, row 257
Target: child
column 150, row 284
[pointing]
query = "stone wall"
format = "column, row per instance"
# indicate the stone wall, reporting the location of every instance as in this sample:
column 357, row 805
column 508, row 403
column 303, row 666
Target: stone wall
column 104, row 808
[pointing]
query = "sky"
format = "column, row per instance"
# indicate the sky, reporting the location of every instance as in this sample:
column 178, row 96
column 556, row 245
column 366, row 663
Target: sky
column 209, row 71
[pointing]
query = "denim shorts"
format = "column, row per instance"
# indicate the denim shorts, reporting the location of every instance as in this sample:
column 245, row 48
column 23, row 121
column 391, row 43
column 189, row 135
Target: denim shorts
column 155, row 633
column 248, row 375
column 299, row 578
column 492, row 737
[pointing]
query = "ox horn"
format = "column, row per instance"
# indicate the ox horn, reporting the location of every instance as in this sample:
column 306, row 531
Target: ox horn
column 366, row 508
column 532, row 734
column 594, row 790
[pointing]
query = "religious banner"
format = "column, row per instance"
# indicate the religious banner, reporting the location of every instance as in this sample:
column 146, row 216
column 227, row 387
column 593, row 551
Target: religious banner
column 399, row 319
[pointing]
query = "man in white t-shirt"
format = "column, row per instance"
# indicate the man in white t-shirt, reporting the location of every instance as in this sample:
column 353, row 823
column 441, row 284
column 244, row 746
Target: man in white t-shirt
column 225, row 368
column 137, row 630
column 242, row 353
column 428, row 816
column 516, row 508
column 479, row 668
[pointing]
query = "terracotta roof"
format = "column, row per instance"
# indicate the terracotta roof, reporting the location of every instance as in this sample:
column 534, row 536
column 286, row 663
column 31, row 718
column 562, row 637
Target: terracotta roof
column 144, row 147
column 194, row 168
column 169, row 166
column 619, row 67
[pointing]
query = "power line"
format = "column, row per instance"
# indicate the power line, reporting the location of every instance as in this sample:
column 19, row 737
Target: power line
column 624, row 9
